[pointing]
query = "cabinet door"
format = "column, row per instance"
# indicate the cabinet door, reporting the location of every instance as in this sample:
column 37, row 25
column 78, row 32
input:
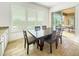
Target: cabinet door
column 1, row 49
column 4, row 38
column 3, row 44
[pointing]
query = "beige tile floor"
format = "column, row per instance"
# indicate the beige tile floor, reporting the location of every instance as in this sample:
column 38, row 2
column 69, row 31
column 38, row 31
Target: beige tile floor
column 68, row 48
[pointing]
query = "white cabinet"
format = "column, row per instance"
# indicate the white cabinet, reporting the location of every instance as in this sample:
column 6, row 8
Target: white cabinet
column 0, row 48
column 4, row 39
column 2, row 44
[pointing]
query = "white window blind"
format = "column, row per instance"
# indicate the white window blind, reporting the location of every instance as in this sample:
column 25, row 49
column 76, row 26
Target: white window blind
column 31, row 18
column 27, row 17
column 18, row 18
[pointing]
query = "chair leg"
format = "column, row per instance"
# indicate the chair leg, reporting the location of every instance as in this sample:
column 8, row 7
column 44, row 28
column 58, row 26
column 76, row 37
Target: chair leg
column 27, row 49
column 25, row 44
column 50, row 48
column 34, row 43
column 37, row 43
column 56, row 43
column 61, row 39
column 41, row 44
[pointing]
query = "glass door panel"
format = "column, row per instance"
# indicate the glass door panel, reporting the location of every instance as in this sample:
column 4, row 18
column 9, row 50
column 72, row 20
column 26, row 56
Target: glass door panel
column 56, row 19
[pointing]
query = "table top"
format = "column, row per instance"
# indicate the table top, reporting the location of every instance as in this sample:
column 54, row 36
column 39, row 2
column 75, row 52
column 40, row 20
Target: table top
column 41, row 33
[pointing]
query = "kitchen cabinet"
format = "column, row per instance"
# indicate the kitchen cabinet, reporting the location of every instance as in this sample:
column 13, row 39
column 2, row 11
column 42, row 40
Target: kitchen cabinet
column 1, row 48
column 4, row 39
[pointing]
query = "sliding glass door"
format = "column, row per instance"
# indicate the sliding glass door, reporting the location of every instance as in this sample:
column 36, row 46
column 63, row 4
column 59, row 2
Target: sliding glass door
column 56, row 19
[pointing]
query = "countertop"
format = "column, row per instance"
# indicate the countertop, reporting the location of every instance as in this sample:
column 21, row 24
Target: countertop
column 2, row 29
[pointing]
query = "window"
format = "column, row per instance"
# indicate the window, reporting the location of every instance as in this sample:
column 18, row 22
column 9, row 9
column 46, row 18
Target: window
column 57, row 19
column 40, row 17
column 32, row 18
column 27, row 17
column 18, row 18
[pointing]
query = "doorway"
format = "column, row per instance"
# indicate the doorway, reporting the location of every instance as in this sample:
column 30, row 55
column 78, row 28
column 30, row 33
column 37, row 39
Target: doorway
column 68, row 16
column 65, row 18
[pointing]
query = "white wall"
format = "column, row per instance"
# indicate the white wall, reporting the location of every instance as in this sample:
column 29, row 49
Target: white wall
column 77, row 20
column 49, row 19
column 4, row 14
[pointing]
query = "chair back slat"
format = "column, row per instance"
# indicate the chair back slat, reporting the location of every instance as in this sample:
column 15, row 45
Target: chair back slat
column 37, row 28
column 53, row 37
column 59, row 31
column 25, row 36
column 44, row 27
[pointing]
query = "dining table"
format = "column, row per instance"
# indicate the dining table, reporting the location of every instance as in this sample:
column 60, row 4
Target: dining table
column 41, row 35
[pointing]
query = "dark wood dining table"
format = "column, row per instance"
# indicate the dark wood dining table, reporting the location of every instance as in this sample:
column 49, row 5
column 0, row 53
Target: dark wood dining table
column 41, row 35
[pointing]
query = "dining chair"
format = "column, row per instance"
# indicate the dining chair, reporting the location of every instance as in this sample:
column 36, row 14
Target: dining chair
column 28, row 41
column 59, row 34
column 37, row 28
column 53, row 39
column 44, row 27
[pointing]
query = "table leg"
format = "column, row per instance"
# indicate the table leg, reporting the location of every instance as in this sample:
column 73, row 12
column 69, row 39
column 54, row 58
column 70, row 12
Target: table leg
column 41, row 44
column 37, row 43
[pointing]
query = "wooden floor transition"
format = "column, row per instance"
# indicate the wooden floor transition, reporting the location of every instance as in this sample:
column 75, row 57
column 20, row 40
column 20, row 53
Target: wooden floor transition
column 67, row 48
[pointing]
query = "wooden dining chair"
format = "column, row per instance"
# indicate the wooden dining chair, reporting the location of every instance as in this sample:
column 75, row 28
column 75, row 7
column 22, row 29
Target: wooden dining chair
column 28, row 41
column 59, row 33
column 53, row 39
column 44, row 27
column 37, row 28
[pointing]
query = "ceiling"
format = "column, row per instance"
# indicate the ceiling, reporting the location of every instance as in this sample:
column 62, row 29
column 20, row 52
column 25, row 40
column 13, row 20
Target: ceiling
column 51, row 4
column 69, row 11
column 48, row 4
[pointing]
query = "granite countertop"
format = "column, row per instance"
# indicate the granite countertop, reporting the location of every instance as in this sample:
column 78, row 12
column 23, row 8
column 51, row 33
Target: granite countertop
column 2, row 29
